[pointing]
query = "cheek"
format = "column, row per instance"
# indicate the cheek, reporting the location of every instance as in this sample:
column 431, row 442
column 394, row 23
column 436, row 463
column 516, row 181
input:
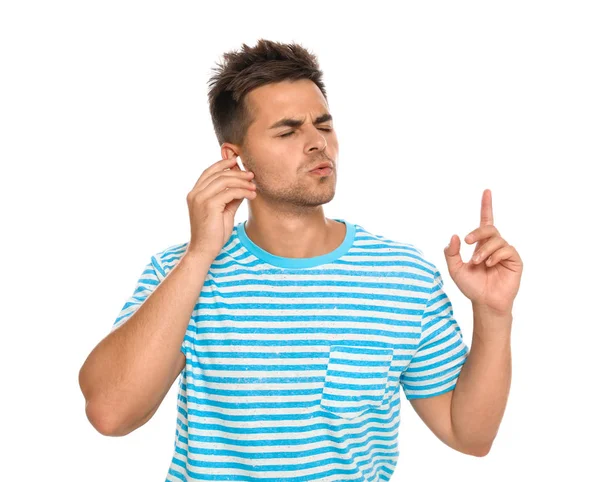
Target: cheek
column 332, row 142
column 270, row 150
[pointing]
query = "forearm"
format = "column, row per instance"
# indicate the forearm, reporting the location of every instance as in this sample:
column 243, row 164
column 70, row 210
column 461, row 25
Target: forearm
column 482, row 388
column 128, row 372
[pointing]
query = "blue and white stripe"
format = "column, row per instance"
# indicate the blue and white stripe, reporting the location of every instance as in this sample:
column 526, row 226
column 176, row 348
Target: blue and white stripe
column 294, row 365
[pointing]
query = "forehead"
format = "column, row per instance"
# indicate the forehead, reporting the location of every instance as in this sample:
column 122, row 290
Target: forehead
column 297, row 99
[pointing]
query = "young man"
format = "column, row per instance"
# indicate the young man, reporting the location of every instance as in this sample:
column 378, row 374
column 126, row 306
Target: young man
column 292, row 332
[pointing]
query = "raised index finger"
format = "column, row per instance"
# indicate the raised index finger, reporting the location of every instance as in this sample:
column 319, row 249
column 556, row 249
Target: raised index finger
column 487, row 217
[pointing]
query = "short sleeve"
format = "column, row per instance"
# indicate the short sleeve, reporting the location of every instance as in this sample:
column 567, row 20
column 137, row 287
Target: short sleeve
column 441, row 352
column 148, row 281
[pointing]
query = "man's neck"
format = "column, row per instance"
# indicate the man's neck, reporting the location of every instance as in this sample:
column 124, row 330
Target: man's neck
column 296, row 236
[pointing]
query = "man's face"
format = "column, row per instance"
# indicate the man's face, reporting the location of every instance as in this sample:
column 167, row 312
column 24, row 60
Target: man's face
column 281, row 157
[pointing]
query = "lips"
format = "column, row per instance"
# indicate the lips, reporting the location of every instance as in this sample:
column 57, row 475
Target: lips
column 323, row 165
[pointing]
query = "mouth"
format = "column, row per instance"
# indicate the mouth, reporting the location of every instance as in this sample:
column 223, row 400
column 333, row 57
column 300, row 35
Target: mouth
column 323, row 169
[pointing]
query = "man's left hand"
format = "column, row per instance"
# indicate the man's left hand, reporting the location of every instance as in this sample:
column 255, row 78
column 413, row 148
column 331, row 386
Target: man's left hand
column 491, row 278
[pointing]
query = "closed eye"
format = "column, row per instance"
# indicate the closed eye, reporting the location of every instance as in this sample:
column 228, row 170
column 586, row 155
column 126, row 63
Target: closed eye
column 292, row 132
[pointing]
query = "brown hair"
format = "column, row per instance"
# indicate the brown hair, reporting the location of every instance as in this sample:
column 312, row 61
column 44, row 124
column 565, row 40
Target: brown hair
column 252, row 67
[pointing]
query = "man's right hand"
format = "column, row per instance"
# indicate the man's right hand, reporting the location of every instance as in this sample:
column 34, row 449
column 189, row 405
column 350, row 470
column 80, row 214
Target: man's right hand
column 212, row 205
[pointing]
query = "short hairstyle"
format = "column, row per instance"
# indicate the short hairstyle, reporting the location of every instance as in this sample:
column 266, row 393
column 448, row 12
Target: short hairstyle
column 241, row 71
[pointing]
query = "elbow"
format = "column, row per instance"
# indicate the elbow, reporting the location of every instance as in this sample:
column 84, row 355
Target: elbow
column 101, row 419
column 103, row 424
column 480, row 451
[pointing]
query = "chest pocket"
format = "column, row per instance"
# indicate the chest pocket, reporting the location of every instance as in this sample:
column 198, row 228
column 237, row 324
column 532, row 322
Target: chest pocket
column 356, row 379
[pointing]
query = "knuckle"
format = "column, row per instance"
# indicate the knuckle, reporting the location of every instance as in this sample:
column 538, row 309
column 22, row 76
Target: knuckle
column 192, row 197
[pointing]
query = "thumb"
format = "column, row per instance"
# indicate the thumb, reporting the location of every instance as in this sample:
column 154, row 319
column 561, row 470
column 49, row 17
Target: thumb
column 452, row 254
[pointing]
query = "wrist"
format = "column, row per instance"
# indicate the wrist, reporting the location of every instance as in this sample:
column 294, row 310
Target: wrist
column 488, row 312
column 489, row 324
column 196, row 259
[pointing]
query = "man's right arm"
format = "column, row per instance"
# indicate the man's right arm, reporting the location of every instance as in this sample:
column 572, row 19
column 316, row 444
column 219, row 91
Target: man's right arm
column 127, row 375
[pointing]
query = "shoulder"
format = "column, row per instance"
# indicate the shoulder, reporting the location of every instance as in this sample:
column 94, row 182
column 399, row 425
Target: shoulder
column 406, row 253
column 164, row 261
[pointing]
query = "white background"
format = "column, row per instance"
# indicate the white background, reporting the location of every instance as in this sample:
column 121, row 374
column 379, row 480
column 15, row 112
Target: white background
column 104, row 129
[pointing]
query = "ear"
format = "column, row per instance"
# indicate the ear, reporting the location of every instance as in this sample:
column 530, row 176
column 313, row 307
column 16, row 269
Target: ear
column 228, row 150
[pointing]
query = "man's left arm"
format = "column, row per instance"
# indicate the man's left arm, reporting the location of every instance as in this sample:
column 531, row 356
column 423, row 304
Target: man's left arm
column 468, row 417
column 481, row 393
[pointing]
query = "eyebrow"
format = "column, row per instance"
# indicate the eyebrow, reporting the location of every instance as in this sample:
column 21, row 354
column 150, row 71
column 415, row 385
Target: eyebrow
column 289, row 122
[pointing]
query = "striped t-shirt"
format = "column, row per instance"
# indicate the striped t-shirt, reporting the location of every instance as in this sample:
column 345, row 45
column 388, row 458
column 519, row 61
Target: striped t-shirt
column 294, row 365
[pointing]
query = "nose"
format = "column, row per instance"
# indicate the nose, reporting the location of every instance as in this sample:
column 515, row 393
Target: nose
column 317, row 142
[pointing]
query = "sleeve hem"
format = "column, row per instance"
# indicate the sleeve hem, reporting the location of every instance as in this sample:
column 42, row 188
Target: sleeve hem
column 158, row 267
column 429, row 395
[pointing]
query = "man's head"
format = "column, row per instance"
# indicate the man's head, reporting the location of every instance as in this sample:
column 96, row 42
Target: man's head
column 252, row 91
